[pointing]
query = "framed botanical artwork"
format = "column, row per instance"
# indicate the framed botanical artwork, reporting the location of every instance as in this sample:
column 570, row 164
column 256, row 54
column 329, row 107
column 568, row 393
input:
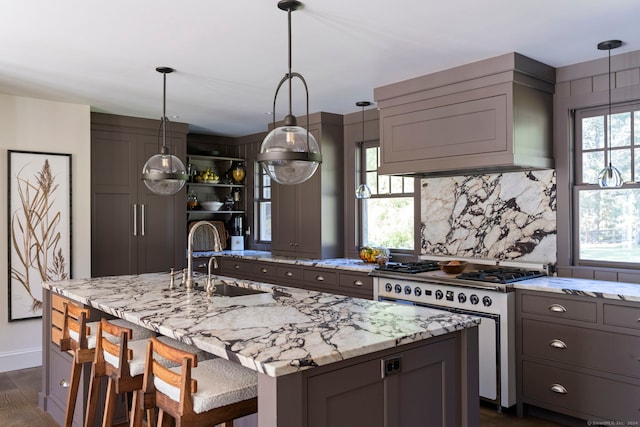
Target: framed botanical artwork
column 39, row 220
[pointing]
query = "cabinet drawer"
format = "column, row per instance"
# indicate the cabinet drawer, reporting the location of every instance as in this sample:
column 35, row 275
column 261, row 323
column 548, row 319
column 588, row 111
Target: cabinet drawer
column 233, row 267
column 59, row 375
column 588, row 396
column 356, row 283
column 289, row 273
column 560, row 308
column 589, row 348
column 264, row 271
column 621, row 315
column 320, row 278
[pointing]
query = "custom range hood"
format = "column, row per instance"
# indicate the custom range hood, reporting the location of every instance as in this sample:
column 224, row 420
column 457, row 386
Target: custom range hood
column 494, row 115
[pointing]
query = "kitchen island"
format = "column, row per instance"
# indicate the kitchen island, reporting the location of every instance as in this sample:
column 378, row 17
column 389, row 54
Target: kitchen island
column 322, row 359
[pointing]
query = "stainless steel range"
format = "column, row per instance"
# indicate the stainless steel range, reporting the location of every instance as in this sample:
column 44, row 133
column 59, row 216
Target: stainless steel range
column 481, row 290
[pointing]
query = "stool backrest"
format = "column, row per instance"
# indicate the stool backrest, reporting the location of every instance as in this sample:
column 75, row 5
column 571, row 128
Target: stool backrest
column 113, row 340
column 182, row 381
column 74, row 328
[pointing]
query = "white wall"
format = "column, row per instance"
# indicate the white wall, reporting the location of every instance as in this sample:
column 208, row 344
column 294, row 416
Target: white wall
column 37, row 125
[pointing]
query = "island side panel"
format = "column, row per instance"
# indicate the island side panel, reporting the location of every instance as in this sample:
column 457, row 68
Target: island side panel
column 439, row 374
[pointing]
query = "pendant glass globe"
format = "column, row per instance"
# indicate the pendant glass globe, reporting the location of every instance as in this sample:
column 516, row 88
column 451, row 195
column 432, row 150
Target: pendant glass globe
column 288, row 156
column 164, row 174
column 363, row 192
column 610, row 177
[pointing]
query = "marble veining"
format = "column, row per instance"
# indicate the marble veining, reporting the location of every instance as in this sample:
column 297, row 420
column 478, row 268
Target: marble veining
column 278, row 332
column 583, row 287
column 508, row 216
column 351, row 264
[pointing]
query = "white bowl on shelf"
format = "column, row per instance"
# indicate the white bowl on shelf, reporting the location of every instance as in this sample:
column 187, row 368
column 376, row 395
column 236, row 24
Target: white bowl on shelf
column 211, row 206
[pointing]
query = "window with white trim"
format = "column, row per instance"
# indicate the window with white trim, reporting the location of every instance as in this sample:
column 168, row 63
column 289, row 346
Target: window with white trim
column 388, row 216
column 607, row 221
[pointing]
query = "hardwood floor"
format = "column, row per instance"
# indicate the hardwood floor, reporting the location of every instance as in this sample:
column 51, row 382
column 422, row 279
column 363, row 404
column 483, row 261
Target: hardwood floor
column 19, row 405
column 19, row 399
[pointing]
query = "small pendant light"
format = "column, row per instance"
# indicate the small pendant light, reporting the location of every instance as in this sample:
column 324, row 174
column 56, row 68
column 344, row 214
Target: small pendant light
column 609, row 177
column 363, row 191
column 164, row 173
column 290, row 154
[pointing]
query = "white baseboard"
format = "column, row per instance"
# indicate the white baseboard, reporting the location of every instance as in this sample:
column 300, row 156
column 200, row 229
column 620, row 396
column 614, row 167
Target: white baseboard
column 14, row 360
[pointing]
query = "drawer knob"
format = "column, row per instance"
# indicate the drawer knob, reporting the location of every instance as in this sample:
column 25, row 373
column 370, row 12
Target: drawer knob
column 263, row 270
column 555, row 343
column 557, row 308
column 358, row 283
column 288, row 274
column 320, row 278
column 558, row 388
column 64, row 383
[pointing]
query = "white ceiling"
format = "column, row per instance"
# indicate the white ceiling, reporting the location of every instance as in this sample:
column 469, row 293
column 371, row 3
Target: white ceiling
column 230, row 55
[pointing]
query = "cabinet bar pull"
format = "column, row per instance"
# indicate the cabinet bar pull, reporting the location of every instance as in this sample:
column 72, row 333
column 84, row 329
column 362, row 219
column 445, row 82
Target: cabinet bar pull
column 64, row 383
column 320, row 278
column 288, row 274
column 558, row 388
column 135, row 219
column 557, row 308
column 558, row 344
column 358, row 282
column 144, row 220
column 263, row 270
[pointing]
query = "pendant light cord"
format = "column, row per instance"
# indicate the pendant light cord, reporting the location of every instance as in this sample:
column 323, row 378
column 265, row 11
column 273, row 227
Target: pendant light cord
column 609, row 117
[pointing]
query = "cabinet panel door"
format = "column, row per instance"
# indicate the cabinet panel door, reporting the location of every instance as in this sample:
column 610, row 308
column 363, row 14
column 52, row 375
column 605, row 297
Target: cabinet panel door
column 333, row 396
column 113, row 243
column 284, row 210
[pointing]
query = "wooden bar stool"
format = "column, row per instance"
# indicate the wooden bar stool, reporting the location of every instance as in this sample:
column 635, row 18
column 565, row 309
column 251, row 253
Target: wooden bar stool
column 195, row 394
column 121, row 358
column 79, row 338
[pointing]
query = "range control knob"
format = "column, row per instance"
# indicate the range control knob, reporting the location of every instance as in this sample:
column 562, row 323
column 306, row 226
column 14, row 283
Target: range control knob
column 462, row 298
column 417, row 291
column 388, row 287
column 439, row 294
column 486, row 301
column 407, row 290
column 397, row 288
column 474, row 299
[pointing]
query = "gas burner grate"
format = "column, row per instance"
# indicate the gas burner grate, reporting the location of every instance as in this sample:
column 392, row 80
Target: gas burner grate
column 501, row 275
column 409, row 267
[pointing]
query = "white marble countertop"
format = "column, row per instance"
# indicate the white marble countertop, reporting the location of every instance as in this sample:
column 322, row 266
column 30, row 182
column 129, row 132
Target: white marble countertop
column 337, row 263
column 572, row 286
column 276, row 333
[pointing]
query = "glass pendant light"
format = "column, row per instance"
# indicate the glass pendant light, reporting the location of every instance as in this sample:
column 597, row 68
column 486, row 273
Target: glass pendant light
column 290, row 154
column 363, row 191
column 609, row 177
column 164, row 173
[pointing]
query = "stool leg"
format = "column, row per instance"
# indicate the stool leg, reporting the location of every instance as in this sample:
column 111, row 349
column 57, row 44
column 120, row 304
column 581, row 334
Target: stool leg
column 76, row 370
column 110, row 404
column 97, row 372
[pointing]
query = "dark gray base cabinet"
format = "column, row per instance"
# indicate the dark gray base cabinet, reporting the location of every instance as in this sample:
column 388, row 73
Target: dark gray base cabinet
column 427, row 384
column 579, row 356
column 341, row 282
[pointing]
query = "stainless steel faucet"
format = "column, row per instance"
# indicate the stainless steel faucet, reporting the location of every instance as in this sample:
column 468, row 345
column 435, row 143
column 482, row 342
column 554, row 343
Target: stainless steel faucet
column 217, row 247
column 210, row 286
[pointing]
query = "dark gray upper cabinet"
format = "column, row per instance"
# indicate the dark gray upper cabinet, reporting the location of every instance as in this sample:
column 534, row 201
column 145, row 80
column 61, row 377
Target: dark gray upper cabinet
column 306, row 217
column 133, row 230
column 492, row 115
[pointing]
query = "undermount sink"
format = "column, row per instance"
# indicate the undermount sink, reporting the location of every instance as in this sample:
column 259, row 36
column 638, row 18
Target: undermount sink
column 225, row 290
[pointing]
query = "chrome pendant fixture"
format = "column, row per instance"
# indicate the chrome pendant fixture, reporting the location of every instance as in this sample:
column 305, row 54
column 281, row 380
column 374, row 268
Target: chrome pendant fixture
column 290, row 154
column 164, row 173
column 363, row 191
column 609, row 177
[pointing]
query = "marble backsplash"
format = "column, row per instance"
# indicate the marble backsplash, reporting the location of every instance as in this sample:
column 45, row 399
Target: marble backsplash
column 506, row 216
